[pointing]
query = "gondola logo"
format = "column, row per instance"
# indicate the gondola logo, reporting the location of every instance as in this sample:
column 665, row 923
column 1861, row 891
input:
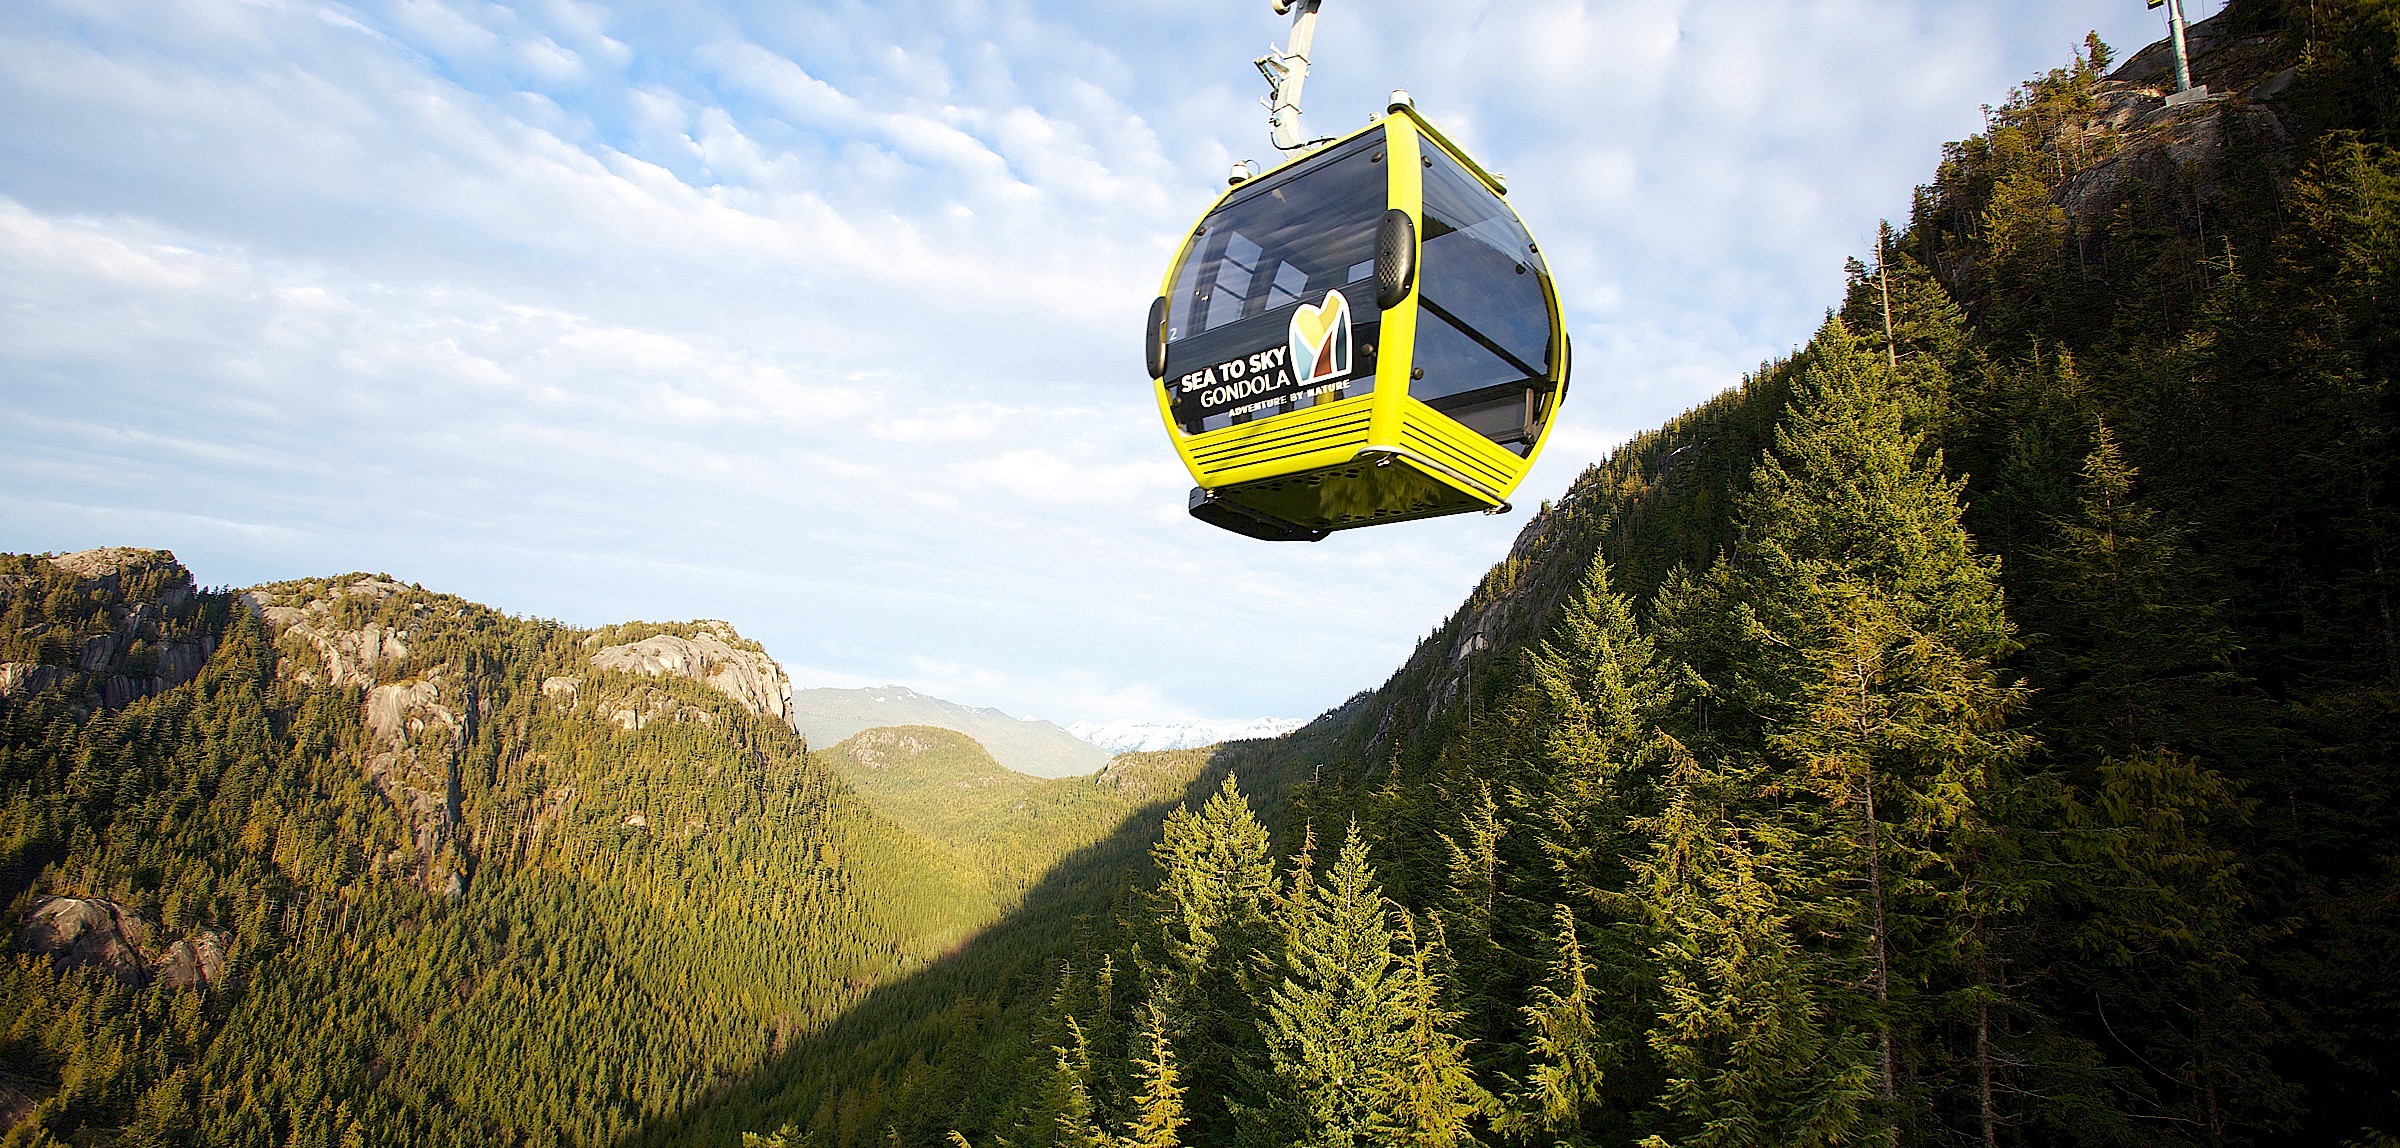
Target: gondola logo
column 1321, row 340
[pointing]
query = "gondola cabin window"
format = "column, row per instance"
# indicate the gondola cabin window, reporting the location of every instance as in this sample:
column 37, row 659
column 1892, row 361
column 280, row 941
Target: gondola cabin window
column 1285, row 242
column 1483, row 333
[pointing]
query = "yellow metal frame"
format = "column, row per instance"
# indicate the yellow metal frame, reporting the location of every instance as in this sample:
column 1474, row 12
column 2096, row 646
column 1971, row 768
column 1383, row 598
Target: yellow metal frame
column 1387, row 427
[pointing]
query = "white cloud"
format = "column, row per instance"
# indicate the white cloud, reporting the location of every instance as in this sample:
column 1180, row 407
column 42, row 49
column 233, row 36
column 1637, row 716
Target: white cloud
column 822, row 317
column 75, row 247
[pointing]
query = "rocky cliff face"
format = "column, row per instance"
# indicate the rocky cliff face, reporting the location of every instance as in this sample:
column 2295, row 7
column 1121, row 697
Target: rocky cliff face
column 81, row 933
column 122, row 624
column 117, row 624
column 713, row 655
column 420, row 712
column 358, row 631
column 346, row 655
column 2142, row 139
column 414, row 747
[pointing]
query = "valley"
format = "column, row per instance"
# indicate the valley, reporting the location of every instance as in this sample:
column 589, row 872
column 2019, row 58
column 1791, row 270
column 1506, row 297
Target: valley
column 1976, row 727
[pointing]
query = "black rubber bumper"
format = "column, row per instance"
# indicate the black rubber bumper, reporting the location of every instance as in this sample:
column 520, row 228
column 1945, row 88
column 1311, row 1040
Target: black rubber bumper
column 1242, row 520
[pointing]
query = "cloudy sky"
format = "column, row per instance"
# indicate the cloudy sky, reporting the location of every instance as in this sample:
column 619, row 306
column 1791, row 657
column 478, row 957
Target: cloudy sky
column 824, row 318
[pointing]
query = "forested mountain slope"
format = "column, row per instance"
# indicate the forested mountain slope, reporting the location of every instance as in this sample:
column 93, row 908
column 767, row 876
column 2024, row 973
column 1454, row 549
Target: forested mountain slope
column 345, row 861
column 1978, row 728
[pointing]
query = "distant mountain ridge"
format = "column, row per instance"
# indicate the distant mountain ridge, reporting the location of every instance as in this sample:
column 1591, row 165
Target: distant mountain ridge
column 1030, row 746
column 1154, row 736
column 1007, row 826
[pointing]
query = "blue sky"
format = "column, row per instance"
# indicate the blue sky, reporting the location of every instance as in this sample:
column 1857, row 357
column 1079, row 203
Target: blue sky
column 823, row 318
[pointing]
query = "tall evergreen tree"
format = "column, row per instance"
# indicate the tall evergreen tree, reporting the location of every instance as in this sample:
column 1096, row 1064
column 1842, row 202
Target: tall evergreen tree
column 1748, row 1056
column 1429, row 1097
column 1210, row 913
column 1599, row 693
column 1157, row 1117
column 1567, row 1047
column 2133, row 650
column 1355, row 1030
column 1596, row 686
column 1477, row 908
column 1930, row 344
column 1073, row 1121
column 1332, row 1011
column 2139, row 692
column 1854, row 635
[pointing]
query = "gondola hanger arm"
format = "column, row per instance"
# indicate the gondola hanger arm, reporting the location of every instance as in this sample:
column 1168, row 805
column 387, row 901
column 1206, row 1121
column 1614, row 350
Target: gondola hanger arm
column 1287, row 73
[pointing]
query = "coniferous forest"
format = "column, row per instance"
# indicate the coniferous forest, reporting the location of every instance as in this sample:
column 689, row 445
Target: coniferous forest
column 1976, row 728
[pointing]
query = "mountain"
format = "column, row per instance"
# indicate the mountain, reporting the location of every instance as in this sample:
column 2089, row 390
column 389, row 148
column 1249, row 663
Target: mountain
column 1127, row 736
column 1029, row 746
column 391, row 865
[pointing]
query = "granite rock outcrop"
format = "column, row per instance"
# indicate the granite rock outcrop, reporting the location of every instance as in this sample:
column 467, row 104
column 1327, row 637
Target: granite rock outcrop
column 414, row 742
column 715, row 656
column 119, row 622
column 346, row 655
column 358, row 631
column 89, row 933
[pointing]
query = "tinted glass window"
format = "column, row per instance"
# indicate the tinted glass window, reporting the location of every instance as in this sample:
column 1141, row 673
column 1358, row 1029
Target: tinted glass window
column 1285, row 239
column 1485, row 318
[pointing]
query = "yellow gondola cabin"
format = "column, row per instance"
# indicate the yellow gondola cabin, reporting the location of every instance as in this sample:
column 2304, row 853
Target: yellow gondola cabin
column 1364, row 335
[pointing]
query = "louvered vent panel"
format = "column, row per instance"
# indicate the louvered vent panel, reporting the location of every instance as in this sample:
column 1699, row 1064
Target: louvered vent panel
column 1283, row 441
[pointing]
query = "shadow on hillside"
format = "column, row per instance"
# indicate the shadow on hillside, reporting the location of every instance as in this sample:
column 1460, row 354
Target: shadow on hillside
column 897, row 1029
column 1649, row 503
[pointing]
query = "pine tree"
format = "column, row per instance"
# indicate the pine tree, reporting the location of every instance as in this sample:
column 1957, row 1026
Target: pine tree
column 1210, row 913
column 1748, row 1057
column 2139, row 691
column 1072, row 1122
column 1930, row 345
column 1601, row 688
column 1158, row 1106
column 1356, row 1033
column 1332, row 1013
column 1567, row 1049
column 1475, row 900
column 1594, row 675
column 1852, row 642
column 2136, row 651
column 1428, row 1097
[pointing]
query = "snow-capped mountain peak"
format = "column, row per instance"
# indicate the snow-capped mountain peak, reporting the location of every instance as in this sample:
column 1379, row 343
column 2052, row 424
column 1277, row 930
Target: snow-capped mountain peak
column 1146, row 736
